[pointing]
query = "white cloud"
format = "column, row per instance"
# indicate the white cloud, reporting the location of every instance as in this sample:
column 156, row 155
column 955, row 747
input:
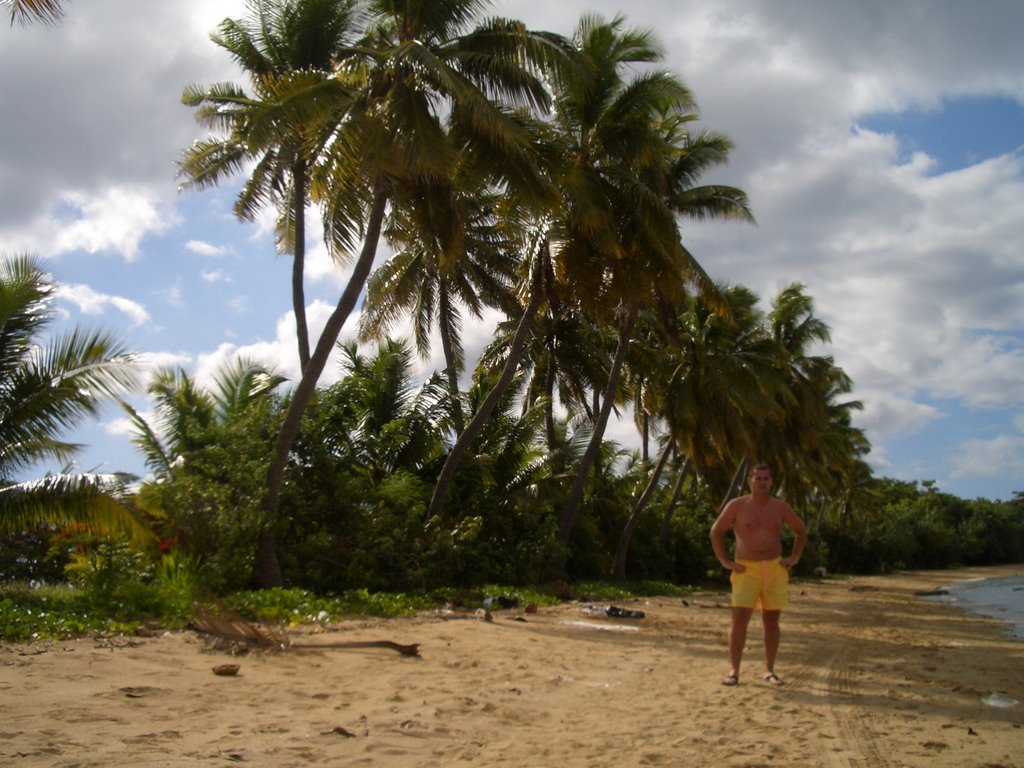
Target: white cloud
column 1002, row 455
column 280, row 353
column 886, row 415
column 206, row 249
column 90, row 302
column 157, row 360
column 215, row 276
column 239, row 305
column 918, row 275
column 321, row 268
column 115, row 219
column 172, row 295
column 124, row 426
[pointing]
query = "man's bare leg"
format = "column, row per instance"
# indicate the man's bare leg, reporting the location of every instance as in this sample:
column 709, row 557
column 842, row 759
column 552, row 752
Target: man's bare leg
column 737, row 640
column 770, row 624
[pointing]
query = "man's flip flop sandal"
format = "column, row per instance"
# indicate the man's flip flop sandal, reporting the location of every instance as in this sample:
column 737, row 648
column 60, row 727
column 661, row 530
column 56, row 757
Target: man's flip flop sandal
column 772, row 679
column 731, row 680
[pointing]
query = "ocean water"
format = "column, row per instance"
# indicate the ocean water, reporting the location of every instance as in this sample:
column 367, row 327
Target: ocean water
column 1001, row 599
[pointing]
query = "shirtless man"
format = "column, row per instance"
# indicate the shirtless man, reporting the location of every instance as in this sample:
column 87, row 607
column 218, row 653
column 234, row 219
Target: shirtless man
column 759, row 572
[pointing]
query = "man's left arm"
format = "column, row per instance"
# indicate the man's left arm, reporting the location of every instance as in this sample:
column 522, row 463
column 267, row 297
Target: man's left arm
column 800, row 537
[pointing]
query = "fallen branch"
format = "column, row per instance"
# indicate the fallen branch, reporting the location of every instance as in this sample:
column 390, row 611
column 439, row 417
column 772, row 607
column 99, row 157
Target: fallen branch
column 405, row 650
column 225, row 624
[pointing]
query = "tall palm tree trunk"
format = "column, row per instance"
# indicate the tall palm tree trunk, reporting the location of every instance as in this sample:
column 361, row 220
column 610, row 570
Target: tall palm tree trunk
column 549, row 407
column 670, row 508
column 572, row 505
column 645, row 437
column 463, row 441
column 268, row 570
column 622, row 550
column 299, row 262
column 451, row 368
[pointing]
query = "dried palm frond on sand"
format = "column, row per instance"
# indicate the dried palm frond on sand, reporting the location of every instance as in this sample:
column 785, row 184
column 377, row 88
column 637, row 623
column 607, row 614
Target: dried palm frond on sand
column 226, row 625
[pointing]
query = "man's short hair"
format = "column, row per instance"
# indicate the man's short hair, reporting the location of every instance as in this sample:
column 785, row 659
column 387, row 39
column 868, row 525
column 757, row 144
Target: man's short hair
column 761, row 467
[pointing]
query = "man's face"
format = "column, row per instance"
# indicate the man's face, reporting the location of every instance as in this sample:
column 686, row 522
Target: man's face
column 761, row 480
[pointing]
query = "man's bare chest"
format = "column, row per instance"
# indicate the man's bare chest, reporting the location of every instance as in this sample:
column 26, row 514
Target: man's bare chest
column 758, row 522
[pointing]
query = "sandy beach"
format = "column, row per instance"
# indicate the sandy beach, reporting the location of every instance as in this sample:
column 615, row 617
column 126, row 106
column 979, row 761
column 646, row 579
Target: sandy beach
column 875, row 676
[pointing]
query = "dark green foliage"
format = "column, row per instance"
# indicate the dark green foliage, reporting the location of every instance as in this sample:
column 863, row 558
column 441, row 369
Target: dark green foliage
column 994, row 532
column 24, row 556
column 914, row 526
column 111, row 588
column 299, row 606
column 210, row 504
column 36, row 613
column 355, row 494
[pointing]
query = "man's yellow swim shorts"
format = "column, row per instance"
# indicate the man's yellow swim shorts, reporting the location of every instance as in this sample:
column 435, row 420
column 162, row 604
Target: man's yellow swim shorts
column 763, row 580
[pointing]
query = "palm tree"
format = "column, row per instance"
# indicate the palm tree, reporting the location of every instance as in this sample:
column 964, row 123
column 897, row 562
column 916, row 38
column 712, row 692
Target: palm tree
column 712, row 384
column 419, row 61
column 395, row 425
column 721, row 392
column 48, row 386
column 626, row 538
column 208, row 448
column 45, row 11
column 563, row 361
column 184, row 410
column 634, row 165
column 453, row 253
column 499, row 388
column 809, row 382
column 289, row 48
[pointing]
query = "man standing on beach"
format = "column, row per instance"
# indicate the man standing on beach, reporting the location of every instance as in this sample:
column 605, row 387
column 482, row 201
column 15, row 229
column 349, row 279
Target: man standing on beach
column 759, row 572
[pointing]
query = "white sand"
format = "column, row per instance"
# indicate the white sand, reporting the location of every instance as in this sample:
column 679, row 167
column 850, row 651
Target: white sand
column 874, row 677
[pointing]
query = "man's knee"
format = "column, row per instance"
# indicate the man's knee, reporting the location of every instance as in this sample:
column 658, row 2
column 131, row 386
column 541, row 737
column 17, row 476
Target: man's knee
column 741, row 616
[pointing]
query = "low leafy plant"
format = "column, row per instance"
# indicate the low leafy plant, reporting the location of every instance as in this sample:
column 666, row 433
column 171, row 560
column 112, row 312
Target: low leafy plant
column 172, row 587
column 299, row 606
column 626, row 590
column 110, row 590
column 48, row 612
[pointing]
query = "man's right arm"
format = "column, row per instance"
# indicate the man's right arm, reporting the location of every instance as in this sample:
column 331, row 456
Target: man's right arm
column 724, row 522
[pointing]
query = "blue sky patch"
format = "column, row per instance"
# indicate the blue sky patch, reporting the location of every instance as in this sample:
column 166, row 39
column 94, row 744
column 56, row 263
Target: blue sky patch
column 963, row 132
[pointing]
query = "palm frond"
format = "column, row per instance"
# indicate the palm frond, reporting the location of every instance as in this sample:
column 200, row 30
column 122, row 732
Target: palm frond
column 89, row 499
column 44, row 11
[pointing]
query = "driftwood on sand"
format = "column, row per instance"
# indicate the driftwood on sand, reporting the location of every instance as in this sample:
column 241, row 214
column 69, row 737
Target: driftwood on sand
column 225, row 624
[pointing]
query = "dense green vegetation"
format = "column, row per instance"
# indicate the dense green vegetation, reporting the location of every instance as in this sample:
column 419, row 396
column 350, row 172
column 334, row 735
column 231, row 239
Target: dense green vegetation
column 541, row 177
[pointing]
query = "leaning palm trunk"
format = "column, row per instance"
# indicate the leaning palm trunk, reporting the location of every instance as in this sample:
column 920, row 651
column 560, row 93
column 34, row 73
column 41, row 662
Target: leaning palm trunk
column 736, row 484
column 268, row 570
column 670, row 508
column 622, row 550
column 572, row 506
column 463, row 441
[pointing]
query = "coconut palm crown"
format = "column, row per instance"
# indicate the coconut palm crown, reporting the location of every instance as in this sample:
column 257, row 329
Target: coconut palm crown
column 49, row 385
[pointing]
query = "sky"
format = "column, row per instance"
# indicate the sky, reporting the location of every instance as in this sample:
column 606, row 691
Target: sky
column 881, row 146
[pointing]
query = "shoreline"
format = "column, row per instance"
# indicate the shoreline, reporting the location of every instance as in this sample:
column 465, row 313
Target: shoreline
column 874, row 676
column 1000, row 598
